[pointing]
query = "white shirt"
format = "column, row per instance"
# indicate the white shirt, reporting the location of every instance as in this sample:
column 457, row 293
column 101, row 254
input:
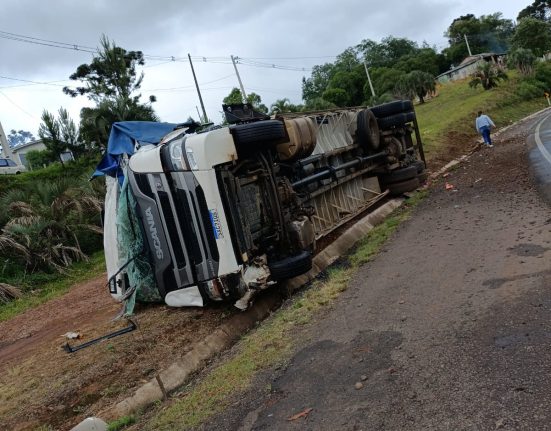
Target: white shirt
column 482, row 121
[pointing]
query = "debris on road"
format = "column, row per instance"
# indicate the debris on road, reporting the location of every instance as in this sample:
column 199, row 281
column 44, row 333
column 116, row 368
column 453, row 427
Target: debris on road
column 302, row 414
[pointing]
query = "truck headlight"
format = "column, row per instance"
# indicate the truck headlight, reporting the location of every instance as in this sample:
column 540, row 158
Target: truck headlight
column 191, row 159
column 176, row 160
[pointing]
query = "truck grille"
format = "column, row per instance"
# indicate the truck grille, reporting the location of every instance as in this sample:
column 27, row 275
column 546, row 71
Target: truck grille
column 189, row 251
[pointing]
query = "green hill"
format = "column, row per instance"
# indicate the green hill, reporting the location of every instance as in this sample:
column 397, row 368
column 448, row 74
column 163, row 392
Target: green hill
column 446, row 121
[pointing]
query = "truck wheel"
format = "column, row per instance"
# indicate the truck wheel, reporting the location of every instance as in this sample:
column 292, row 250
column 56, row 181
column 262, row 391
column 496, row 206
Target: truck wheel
column 368, row 130
column 395, row 120
column 399, row 175
column 396, row 189
column 251, row 136
column 291, row 266
column 419, row 165
column 392, row 108
column 422, row 177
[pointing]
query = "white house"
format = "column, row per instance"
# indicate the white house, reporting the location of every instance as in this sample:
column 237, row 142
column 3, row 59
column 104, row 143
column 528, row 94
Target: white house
column 468, row 66
column 20, row 151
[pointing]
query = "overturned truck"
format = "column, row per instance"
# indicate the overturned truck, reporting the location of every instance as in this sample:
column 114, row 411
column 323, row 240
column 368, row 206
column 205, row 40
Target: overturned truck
column 216, row 214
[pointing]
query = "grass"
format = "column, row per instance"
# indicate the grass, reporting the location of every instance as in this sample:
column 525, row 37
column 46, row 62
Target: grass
column 77, row 168
column 52, row 285
column 452, row 113
column 121, row 423
column 273, row 342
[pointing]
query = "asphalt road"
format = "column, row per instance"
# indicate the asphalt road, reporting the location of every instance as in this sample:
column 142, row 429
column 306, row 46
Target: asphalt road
column 540, row 155
column 448, row 328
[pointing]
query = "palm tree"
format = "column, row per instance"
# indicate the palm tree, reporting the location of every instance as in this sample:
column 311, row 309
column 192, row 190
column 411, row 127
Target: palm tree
column 43, row 229
column 416, row 83
column 488, row 76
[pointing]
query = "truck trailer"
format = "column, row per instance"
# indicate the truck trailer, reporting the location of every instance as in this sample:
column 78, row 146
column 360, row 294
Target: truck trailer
column 217, row 213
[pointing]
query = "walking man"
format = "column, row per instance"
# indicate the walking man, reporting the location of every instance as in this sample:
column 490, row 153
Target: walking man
column 484, row 125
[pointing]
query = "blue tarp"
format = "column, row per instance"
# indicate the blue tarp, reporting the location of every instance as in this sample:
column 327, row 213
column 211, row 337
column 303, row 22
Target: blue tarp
column 122, row 139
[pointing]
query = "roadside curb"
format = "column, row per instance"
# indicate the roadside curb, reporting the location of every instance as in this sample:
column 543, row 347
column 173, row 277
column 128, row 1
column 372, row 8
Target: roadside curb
column 230, row 331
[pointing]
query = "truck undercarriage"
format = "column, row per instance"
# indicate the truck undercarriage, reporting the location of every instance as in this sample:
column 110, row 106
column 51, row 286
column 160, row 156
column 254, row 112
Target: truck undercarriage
column 231, row 210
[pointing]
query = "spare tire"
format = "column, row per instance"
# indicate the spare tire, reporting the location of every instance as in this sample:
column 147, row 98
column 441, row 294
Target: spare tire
column 396, row 120
column 399, row 175
column 302, row 139
column 392, row 108
column 367, row 131
column 291, row 266
column 250, row 137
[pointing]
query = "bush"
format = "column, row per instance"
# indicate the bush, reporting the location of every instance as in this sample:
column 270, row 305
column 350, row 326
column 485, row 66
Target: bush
column 531, row 89
column 543, row 73
column 39, row 159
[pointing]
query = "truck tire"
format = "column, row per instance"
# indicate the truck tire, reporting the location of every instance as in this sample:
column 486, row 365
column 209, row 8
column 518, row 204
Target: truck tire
column 396, row 189
column 367, row 131
column 422, row 177
column 291, row 266
column 392, row 108
column 419, row 165
column 395, row 120
column 399, row 175
column 251, row 136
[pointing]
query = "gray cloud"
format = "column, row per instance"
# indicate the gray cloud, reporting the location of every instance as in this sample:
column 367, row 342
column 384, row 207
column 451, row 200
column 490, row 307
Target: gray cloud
column 247, row 28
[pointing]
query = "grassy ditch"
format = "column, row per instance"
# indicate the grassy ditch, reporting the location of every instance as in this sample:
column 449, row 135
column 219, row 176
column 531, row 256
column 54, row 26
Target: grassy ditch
column 274, row 341
column 51, row 285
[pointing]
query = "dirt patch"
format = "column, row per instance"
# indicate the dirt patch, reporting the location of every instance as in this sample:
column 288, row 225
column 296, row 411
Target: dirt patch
column 41, row 384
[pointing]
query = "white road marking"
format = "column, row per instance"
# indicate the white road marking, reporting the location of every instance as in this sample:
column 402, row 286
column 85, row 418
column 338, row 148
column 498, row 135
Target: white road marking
column 539, row 142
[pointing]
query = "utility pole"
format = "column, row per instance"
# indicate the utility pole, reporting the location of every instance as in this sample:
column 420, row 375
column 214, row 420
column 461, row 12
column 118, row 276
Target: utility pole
column 369, row 79
column 468, row 47
column 205, row 118
column 239, row 79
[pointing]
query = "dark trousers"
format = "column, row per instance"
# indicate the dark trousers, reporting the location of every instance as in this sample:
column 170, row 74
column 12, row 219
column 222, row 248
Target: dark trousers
column 485, row 132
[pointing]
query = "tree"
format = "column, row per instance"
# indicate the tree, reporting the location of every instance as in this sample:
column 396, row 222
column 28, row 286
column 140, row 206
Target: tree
column 523, row 59
column 415, row 83
column 488, row 76
column 384, row 80
column 425, row 59
column 235, row 97
column 489, row 33
column 112, row 82
column 337, row 96
column 284, row 105
column 533, row 34
column 19, row 137
column 60, row 134
column 386, row 53
column 314, row 86
column 540, row 9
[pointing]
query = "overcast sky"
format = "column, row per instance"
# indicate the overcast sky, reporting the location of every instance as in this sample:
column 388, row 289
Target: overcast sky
column 291, row 33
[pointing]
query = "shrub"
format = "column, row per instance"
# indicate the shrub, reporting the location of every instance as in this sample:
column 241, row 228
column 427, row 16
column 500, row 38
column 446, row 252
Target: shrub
column 531, row 88
column 39, row 159
column 543, row 73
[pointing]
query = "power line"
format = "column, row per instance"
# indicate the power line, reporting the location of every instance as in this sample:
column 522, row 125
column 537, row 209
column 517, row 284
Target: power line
column 167, row 59
column 30, row 82
column 185, row 87
column 18, row 107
